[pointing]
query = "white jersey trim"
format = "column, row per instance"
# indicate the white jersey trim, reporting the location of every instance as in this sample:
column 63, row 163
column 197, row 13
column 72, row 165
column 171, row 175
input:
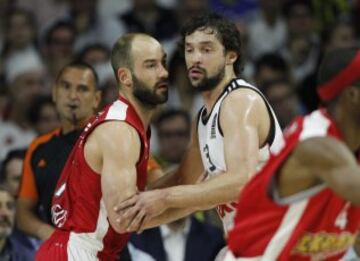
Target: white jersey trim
column 92, row 242
column 285, row 230
column 117, row 111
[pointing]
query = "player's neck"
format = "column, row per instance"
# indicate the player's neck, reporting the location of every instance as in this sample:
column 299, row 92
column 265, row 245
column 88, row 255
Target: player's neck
column 144, row 112
column 210, row 97
column 349, row 129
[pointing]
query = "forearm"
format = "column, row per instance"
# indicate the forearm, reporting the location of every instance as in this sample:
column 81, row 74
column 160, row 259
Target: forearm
column 171, row 178
column 168, row 216
column 30, row 224
column 216, row 191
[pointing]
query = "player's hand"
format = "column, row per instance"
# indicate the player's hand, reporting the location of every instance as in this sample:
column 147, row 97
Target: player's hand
column 136, row 211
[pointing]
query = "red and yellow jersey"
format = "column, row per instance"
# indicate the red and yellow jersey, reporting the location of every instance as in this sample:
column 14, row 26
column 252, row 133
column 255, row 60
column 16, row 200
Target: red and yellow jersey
column 318, row 226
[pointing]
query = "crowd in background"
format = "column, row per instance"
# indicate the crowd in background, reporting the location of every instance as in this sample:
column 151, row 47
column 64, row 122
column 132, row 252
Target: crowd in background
column 283, row 42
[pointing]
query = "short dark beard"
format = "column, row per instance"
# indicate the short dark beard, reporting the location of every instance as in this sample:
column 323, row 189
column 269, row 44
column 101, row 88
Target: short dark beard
column 210, row 83
column 147, row 96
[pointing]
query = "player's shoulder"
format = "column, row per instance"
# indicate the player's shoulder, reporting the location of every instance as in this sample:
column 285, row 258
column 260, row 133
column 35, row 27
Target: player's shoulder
column 242, row 99
column 115, row 130
column 324, row 150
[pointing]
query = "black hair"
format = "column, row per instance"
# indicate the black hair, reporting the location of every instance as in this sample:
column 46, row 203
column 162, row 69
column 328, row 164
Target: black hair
column 11, row 155
column 172, row 113
column 290, row 4
column 91, row 47
column 56, row 26
column 273, row 61
column 225, row 30
column 36, row 106
column 79, row 65
column 334, row 62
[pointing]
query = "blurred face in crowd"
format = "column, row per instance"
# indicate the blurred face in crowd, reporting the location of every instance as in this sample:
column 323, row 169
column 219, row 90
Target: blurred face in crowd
column 25, row 87
column 173, row 137
column 75, row 95
column 13, row 172
column 48, row 119
column 19, row 32
column 61, row 43
column 267, row 74
column 343, row 36
column 205, row 59
column 300, row 21
column 96, row 56
column 7, row 214
column 284, row 102
column 149, row 72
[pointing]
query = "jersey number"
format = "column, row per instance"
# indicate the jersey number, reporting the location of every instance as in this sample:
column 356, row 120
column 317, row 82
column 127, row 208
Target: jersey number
column 206, row 151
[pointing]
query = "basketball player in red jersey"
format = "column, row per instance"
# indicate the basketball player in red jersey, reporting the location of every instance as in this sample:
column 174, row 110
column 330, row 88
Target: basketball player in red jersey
column 231, row 138
column 305, row 203
column 108, row 162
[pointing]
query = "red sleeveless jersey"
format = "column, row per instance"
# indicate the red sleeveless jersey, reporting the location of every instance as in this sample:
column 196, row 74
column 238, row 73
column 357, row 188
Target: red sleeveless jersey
column 318, row 226
column 77, row 204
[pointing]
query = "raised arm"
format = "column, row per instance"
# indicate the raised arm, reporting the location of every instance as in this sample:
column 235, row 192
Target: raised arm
column 113, row 149
column 321, row 160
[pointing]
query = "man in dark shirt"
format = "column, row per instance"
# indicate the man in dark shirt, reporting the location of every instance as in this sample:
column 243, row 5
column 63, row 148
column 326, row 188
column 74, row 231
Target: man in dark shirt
column 10, row 246
column 76, row 98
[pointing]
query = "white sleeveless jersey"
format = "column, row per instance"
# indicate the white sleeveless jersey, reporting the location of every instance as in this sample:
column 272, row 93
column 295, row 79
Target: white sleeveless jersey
column 211, row 142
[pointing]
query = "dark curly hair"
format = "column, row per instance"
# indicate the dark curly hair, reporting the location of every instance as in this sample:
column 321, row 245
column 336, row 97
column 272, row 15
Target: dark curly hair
column 225, row 31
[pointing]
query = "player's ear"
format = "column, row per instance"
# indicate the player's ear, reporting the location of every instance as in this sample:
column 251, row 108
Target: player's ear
column 353, row 94
column 231, row 57
column 124, row 76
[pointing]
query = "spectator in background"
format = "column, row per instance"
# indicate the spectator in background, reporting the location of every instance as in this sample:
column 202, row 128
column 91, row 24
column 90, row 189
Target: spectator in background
column 302, row 49
column 182, row 239
column 270, row 67
column 173, row 133
column 20, row 32
column 146, row 16
column 107, row 83
column 90, row 27
column 284, row 100
column 57, row 47
column 10, row 247
column 268, row 32
column 190, row 8
column 43, row 115
column 181, row 92
column 341, row 35
column 76, row 99
column 25, row 75
column 10, row 176
column 11, row 171
column 5, row 7
column 94, row 54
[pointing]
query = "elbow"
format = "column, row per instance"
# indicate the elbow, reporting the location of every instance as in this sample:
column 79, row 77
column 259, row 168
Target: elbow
column 117, row 227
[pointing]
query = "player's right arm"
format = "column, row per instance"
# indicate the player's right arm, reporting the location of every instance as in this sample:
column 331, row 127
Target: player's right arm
column 321, row 160
column 113, row 150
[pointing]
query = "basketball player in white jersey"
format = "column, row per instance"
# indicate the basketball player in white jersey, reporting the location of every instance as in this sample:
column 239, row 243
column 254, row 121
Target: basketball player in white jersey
column 231, row 138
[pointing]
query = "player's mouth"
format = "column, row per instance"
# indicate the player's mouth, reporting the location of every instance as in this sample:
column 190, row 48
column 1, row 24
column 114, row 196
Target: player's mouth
column 196, row 73
column 162, row 85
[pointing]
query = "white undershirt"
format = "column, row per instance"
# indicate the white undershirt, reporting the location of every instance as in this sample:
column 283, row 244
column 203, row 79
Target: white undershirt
column 175, row 241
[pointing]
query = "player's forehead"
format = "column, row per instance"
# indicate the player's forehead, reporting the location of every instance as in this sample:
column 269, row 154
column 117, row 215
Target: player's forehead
column 146, row 48
column 207, row 35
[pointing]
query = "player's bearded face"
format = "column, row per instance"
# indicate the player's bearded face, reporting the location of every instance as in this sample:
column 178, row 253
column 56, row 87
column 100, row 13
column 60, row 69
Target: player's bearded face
column 208, row 82
column 151, row 95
